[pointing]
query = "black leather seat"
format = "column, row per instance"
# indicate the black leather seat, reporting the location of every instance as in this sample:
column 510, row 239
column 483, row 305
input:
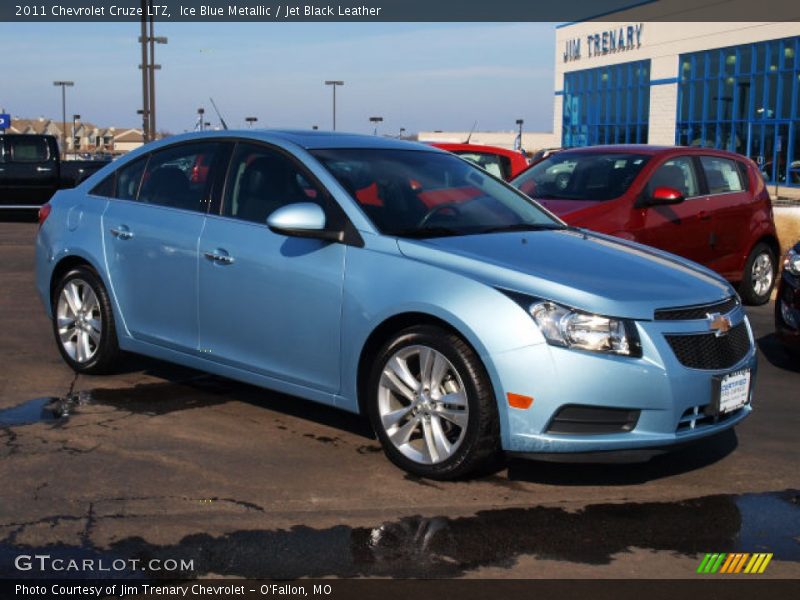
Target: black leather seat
column 267, row 184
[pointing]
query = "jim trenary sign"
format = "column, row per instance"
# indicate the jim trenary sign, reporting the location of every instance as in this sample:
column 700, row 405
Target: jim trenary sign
column 620, row 39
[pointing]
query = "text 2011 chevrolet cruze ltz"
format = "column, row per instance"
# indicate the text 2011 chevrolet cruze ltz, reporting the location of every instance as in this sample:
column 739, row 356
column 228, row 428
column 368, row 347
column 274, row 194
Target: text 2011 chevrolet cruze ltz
column 396, row 280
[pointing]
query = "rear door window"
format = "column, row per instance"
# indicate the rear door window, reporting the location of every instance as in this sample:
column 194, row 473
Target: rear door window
column 722, row 175
column 180, row 176
column 29, row 149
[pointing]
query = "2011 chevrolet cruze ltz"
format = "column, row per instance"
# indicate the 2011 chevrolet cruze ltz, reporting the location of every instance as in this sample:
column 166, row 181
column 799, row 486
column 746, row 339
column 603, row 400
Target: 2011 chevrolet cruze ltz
column 396, row 280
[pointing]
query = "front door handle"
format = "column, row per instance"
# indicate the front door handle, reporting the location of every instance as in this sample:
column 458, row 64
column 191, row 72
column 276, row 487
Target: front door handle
column 704, row 215
column 122, row 232
column 43, row 169
column 218, row 256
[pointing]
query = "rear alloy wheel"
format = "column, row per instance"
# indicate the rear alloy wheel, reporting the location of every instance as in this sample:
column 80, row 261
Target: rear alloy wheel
column 759, row 276
column 83, row 323
column 432, row 405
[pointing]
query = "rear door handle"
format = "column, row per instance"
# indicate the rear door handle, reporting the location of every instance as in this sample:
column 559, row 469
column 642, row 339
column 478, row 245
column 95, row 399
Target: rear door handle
column 122, row 232
column 43, row 169
column 704, row 215
column 219, row 256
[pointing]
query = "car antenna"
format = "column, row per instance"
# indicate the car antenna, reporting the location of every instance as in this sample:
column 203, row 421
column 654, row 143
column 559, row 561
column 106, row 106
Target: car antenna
column 471, row 131
column 216, row 110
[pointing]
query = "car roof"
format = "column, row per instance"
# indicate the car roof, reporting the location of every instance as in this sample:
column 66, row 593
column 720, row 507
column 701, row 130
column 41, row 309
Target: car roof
column 648, row 149
column 451, row 146
column 309, row 140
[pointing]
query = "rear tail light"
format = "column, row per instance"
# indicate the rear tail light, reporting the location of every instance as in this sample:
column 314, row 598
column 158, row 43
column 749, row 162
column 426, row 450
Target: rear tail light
column 44, row 212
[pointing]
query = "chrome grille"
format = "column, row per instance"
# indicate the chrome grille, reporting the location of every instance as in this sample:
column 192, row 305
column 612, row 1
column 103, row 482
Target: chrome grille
column 686, row 313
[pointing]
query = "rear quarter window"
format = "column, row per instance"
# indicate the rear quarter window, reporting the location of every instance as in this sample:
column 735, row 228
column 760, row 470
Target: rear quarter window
column 105, row 188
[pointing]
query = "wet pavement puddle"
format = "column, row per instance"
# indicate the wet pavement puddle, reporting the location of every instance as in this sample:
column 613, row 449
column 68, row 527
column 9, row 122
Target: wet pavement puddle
column 443, row 547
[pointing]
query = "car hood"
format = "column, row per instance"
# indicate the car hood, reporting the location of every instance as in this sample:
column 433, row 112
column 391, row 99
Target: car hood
column 584, row 270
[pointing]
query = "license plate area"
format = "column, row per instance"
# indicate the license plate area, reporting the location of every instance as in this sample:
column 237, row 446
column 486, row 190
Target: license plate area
column 729, row 392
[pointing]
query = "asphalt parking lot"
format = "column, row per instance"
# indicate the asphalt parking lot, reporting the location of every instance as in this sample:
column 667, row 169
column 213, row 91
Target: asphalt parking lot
column 161, row 461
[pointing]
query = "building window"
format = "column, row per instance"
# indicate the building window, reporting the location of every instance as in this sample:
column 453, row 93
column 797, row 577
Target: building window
column 744, row 99
column 607, row 105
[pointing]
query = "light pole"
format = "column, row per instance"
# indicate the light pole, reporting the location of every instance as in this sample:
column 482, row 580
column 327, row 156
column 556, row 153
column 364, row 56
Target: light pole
column 334, row 83
column 74, row 146
column 64, row 85
column 200, row 112
column 250, row 121
column 519, row 138
column 375, row 121
column 149, row 68
column 402, row 131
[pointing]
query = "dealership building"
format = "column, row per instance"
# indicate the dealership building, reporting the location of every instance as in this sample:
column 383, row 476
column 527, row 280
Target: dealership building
column 724, row 85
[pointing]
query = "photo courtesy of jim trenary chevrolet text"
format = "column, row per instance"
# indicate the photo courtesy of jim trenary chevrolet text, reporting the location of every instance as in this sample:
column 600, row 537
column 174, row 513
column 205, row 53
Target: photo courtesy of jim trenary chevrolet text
column 392, row 298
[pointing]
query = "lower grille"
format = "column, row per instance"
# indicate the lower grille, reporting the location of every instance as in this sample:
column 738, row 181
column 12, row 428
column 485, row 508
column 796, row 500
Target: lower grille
column 586, row 420
column 695, row 417
column 707, row 351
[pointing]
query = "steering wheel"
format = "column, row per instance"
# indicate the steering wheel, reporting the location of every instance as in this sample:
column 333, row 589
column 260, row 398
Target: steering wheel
column 452, row 206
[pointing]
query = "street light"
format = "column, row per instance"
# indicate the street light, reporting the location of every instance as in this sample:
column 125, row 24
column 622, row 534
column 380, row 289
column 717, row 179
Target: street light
column 334, row 83
column 64, row 85
column 375, row 121
column 74, row 146
column 250, row 121
column 519, row 137
column 402, row 131
column 315, row 127
column 200, row 112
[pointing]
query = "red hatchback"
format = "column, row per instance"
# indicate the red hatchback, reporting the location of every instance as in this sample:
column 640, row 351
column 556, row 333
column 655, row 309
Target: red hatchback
column 500, row 162
column 707, row 205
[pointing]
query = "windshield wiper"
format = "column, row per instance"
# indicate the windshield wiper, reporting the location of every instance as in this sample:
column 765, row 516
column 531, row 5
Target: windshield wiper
column 428, row 232
column 524, row 227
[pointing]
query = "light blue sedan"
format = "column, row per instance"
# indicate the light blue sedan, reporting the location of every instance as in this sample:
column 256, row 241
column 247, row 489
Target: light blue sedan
column 399, row 281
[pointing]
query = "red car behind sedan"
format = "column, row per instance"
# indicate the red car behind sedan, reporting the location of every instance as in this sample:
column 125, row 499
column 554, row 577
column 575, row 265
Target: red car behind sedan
column 500, row 162
column 707, row 205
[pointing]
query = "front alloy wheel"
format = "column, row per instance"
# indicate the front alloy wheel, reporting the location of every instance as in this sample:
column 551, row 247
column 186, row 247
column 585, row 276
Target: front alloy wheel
column 423, row 404
column 432, row 405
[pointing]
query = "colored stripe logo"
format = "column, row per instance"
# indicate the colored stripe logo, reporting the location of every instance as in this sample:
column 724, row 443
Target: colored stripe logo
column 737, row 562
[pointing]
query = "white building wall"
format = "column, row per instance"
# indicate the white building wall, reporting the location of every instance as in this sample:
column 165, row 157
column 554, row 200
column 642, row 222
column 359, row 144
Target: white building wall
column 662, row 43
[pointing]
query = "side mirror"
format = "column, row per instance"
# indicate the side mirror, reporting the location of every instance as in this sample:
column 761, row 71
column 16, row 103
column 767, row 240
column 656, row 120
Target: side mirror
column 302, row 219
column 663, row 196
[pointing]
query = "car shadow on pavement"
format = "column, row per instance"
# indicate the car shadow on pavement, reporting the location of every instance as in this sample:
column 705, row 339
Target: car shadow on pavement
column 776, row 354
column 185, row 388
column 694, row 456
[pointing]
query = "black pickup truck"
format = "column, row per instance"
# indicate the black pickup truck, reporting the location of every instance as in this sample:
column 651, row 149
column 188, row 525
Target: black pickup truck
column 31, row 170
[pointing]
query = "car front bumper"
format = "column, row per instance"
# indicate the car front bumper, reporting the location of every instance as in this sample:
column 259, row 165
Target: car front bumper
column 671, row 399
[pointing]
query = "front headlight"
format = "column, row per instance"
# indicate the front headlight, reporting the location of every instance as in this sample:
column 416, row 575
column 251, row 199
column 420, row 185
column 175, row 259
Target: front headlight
column 792, row 262
column 563, row 326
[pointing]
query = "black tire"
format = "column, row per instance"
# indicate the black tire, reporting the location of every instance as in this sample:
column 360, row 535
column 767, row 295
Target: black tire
column 106, row 352
column 480, row 445
column 747, row 287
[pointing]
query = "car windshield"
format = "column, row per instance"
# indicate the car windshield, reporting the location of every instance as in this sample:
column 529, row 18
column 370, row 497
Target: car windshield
column 409, row 193
column 581, row 176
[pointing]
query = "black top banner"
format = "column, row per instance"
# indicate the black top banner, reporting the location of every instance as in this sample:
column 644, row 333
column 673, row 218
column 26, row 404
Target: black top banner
column 398, row 10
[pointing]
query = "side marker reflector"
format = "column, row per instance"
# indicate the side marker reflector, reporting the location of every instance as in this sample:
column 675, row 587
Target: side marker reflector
column 519, row 401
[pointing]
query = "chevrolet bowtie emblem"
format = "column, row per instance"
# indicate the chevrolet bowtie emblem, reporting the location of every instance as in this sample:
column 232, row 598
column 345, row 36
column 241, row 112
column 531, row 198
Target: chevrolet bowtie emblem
column 719, row 324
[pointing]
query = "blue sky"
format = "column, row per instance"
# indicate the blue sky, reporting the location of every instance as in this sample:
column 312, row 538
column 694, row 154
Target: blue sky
column 420, row 76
